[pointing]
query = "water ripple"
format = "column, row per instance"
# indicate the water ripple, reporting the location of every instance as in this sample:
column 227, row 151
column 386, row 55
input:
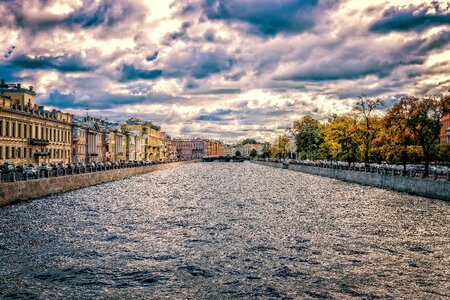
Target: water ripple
column 226, row 231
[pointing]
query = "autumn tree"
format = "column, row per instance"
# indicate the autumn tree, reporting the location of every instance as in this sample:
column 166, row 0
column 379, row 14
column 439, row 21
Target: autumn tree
column 341, row 138
column 396, row 142
column 280, row 147
column 308, row 133
column 422, row 117
column 365, row 107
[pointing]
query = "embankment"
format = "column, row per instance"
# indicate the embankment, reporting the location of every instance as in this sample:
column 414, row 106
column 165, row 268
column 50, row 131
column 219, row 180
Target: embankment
column 439, row 189
column 11, row 192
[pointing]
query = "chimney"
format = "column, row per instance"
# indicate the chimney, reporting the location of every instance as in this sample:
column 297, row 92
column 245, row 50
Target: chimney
column 31, row 88
column 19, row 85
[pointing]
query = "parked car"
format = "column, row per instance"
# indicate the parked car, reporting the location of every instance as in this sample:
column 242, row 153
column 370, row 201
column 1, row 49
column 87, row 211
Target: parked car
column 7, row 168
column 30, row 170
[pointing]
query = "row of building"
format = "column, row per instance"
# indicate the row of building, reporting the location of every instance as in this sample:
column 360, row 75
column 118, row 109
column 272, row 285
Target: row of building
column 29, row 134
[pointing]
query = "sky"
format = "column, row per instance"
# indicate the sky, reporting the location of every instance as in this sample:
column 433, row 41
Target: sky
column 229, row 69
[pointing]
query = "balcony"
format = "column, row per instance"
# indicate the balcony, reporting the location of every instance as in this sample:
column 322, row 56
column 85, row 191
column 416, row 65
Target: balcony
column 39, row 142
column 41, row 154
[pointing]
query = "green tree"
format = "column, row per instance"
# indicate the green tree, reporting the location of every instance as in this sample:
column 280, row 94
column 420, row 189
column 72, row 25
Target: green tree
column 249, row 141
column 253, row 153
column 422, row 117
column 365, row 107
column 308, row 133
column 280, row 147
column 238, row 153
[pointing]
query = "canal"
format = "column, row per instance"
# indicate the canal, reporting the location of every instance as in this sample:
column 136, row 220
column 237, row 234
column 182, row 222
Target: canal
column 225, row 231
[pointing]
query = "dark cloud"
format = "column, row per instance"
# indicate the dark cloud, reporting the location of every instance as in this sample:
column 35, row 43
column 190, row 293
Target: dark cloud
column 197, row 63
column 130, row 72
column 210, row 35
column 64, row 63
column 99, row 100
column 214, row 116
column 235, row 76
column 152, row 56
column 181, row 34
column 412, row 18
column 267, row 17
column 106, row 13
column 222, row 91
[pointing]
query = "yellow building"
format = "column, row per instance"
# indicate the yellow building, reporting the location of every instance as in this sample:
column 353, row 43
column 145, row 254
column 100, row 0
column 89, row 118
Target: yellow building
column 152, row 137
column 28, row 133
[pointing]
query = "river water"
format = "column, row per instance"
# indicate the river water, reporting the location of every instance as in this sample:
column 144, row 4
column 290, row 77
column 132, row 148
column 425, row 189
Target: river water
column 226, row 231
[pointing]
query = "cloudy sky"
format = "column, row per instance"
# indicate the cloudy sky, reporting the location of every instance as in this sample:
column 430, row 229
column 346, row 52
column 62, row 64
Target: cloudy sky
column 224, row 69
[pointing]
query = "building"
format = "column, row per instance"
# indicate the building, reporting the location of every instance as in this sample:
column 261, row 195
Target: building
column 29, row 134
column 197, row 148
column 152, row 138
column 229, row 150
column 114, row 145
column 89, row 140
column 246, row 149
column 445, row 129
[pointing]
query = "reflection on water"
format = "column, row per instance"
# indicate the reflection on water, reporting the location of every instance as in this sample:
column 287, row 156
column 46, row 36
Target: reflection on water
column 223, row 230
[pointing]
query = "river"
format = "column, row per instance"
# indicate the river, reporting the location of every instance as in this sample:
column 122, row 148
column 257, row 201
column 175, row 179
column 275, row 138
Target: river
column 226, row 231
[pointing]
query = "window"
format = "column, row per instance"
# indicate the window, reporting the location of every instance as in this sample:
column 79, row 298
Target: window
column 25, row 128
column 24, row 152
column 42, row 132
column 7, row 129
column 13, row 150
column 31, row 153
column 20, row 129
column 7, row 152
column 19, row 154
column 31, row 130
column 36, row 132
column 46, row 133
column 1, row 152
column 13, row 129
column 1, row 127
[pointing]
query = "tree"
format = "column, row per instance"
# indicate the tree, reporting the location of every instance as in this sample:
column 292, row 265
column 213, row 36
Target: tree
column 238, row 153
column 280, row 147
column 422, row 117
column 341, row 139
column 249, row 141
column 396, row 142
column 308, row 133
column 253, row 153
column 365, row 106
column 442, row 153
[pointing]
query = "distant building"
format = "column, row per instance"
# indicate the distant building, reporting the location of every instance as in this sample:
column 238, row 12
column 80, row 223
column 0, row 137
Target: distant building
column 197, row 148
column 445, row 129
column 152, row 136
column 246, row 149
column 89, row 140
column 29, row 134
column 229, row 150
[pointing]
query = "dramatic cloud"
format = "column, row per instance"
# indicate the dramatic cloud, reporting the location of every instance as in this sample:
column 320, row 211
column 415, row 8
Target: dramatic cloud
column 267, row 17
column 412, row 18
column 225, row 69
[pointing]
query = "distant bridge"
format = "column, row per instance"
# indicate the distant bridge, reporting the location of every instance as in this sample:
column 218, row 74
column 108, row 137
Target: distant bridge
column 224, row 158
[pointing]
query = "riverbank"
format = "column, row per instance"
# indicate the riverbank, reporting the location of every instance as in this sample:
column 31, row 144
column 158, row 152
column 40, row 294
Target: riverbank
column 427, row 187
column 11, row 192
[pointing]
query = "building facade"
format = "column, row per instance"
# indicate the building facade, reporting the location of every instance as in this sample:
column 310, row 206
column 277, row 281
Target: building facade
column 29, row 134
column 197, row 148
column 445, row 129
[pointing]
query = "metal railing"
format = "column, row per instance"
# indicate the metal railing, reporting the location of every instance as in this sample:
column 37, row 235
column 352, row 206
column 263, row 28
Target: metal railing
column 59, row 172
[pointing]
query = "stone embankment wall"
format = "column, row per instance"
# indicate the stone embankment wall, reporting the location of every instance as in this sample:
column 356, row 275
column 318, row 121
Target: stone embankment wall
column 428, row 187
column 11, row 192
